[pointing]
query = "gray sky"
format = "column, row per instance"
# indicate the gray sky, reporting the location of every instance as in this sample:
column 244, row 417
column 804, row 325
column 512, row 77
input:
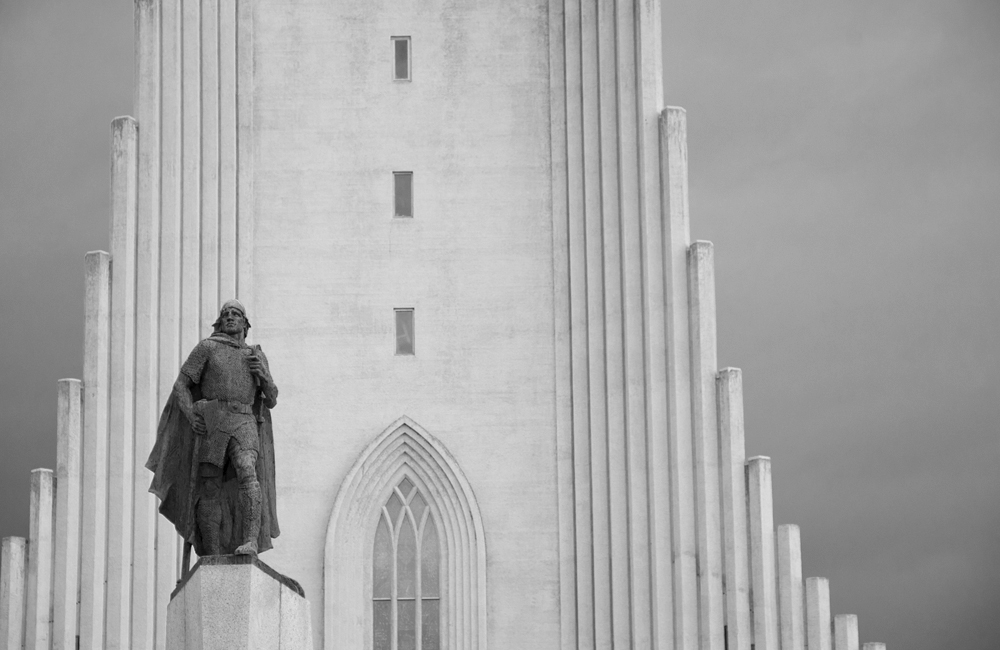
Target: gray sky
column 845, row 161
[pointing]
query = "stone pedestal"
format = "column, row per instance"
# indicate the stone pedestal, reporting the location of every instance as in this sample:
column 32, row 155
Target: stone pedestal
column 236, row 602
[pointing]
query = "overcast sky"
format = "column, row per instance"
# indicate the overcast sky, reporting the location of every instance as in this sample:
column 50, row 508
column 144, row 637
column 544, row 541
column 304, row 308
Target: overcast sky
column 845, row 161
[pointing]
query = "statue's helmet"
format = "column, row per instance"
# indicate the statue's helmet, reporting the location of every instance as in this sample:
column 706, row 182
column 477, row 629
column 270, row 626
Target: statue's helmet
column 232, row 304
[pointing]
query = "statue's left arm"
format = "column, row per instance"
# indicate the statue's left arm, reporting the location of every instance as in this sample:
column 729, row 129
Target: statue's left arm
column 260, row 370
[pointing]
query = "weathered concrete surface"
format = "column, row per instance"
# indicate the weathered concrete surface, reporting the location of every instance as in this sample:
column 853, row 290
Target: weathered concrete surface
column 818, row 625
column 845, row 632
column 790, row 598
column 13, row 567
column 66, row 568
column 760, row 515
column 96, row 379
column 330, row 263
column 231, row 602
column 38, row 601
column 734, row 511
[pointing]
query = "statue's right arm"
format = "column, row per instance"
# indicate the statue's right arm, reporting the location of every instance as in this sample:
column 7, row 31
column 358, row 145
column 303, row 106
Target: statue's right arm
column 182, row 389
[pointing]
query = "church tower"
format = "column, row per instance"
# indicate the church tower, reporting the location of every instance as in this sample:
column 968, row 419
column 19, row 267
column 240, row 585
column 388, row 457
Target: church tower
column 460, row 228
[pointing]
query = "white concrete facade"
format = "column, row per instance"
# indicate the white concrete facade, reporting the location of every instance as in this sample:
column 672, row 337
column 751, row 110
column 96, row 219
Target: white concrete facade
column 582, row 454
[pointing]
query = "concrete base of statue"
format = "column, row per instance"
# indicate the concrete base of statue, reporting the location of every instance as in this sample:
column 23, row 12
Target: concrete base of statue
column 236, row 602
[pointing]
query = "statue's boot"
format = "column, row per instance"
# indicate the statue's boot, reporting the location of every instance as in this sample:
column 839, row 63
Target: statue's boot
column 250, row 510
column 209, row 515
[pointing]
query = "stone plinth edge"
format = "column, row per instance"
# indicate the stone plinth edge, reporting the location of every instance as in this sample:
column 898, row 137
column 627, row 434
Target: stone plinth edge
column 237, row 603
column 217, row 560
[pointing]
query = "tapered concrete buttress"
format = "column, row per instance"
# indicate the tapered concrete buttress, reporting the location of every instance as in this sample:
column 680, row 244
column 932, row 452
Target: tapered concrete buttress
column 96, row 356
column 790, row 599
column 38, row 604
column 734, row 512
column 66, row 566
column 762, row 551
column 845, row 632
column 818, row 630
column 121, row 420
column 13, row 566
column 701, row 296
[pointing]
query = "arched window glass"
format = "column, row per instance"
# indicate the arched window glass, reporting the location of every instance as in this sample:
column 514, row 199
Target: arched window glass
column 406, row 574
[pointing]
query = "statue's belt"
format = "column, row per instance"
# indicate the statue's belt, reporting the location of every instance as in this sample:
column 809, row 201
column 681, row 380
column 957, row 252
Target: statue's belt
column 230, row 406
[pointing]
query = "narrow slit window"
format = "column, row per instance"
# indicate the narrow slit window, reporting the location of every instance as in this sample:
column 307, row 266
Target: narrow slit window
column 402, row 189
column 404, row 331
column 401, row 58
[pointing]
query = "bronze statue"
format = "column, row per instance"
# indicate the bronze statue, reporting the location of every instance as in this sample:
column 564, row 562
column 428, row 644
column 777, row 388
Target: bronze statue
column 213, row 461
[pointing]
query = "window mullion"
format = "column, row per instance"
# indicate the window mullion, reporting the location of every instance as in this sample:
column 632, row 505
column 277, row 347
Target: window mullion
column 419, row 631
column 394, row 627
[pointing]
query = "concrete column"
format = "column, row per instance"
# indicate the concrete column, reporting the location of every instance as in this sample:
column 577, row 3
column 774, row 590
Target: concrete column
column 191, row 190
column 244, row 148
column 209, row 164
column 596, row 326
column 38, row 605
column 871, row 645
column 729, row 392
column 790, row 588
column 634, row 376
column 761, row 519
column 13, row 565
column 563, row 334
column 701, row 296
column 674, row 192
column 818, row 614
column 227, row 149
column 66, row 567
column 579, row 334
column 96, row 380
column 611, row 260
column 124, row 202
column 147, row 106
column 169, row 276
column 845, row 632
column 649, row 99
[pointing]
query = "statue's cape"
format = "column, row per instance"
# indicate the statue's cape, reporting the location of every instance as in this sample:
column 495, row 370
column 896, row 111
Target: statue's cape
column 174, row 463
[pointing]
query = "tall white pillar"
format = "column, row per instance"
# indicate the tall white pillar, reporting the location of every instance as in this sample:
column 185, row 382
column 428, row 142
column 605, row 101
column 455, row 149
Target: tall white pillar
column 169, row 307
column 652, row 158
column 790, row 588
column 147, row 283
column 701, row 294
column 578, row 330
column 209, row 181
column 674, row 193
column 38, row 606
column 227, row 148
column 190, row 167
column 628, row 20
column 818, row 625
column 13, row 566
column 734, row 508
column 69, row 460
column 761, row 516
column 124, row 202
column 845, row 632
column 96, row 354
column 244, row 147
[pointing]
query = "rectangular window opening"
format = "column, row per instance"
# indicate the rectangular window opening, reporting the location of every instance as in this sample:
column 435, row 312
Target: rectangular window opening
column 404, row 331
column 401, row 58
column 402, row 190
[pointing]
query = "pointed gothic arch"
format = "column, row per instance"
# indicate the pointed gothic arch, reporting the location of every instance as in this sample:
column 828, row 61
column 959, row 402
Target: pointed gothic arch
column 404, row 451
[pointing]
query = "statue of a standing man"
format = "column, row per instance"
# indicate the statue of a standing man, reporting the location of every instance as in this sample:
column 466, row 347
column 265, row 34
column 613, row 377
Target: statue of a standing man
column 213, row 462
